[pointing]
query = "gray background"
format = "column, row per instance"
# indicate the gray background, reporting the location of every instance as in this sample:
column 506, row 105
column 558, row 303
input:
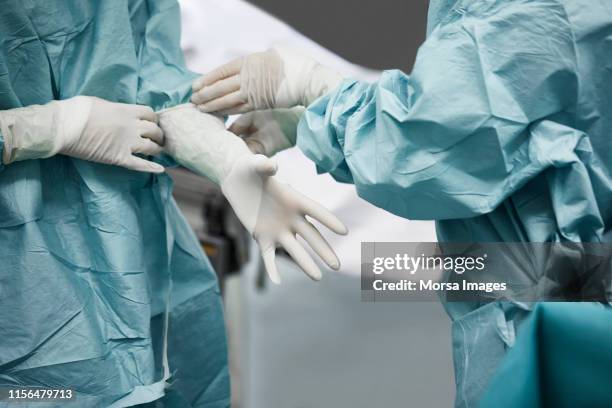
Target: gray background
column 381, row 34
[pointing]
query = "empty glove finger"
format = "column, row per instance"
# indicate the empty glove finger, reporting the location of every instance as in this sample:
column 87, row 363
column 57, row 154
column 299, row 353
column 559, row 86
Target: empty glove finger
column 138, row 164
column 316, row 241
column 300, row 256
column 315, row 210
column 216, row 90
column 144, row 112
column 146, row 147
column 268, row 253
column 225, row 71
column 264, row 166
column 255, row 146
column 243, row 125
column 151, row 131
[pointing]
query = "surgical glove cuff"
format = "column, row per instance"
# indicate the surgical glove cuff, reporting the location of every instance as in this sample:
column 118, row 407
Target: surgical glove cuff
column 41, row 131
column 323, row 80
column 231, row 150
column 305, row 80
column 199, row 142
column 287, row 121
column 243, row 189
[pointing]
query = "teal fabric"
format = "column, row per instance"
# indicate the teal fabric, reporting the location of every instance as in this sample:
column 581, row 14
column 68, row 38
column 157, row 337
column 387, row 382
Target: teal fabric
column 94, row 255
column 563, row 359
column 500, row 133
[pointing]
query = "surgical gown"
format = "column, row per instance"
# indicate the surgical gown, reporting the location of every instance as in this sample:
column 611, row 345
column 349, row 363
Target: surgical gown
column 104, row 288
column 563, row 359
column 502, row 132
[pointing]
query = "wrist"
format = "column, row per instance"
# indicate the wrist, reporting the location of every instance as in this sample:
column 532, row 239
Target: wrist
column 41, row 131
column 287, row 121
column 199, row 142
column 29, row 132
column 236, row 150
column 322, row 81
column 72, row 115
column 299, row 71
column 243, row 187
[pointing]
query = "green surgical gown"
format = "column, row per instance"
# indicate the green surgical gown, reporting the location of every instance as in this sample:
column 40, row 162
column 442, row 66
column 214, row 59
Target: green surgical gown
column 100, row 273
column 502, row 132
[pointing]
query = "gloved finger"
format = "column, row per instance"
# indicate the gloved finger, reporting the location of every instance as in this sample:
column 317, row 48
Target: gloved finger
column 268, row 253
column 145, row 113
column 243, row 125
column 225, row 103
column 244, row 108
column 316, row 241
column 146, row 147
column 224, row 71
column 138, row 164
column 264, row 166
column 300, row 256
column 315, row 210
column 216, row 90
column 151, row 131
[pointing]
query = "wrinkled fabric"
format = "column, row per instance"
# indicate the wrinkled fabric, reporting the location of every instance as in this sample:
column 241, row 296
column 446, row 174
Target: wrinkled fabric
column 563, row 359
column 96, row 258
column 500, row 133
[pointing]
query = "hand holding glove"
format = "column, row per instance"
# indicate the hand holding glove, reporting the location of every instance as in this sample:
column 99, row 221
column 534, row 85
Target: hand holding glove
column 277, row 78
column 84, row 127
column 268, row 132
column 270, row 210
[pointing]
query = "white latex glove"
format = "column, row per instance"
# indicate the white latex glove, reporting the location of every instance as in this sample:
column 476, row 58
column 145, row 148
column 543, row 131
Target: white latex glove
column 270, row 131
column 270, row 210
column 277, row 78
column 84, row 127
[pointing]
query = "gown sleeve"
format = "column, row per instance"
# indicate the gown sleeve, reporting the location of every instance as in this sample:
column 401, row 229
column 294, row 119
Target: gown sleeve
column 164, row 80
column 489, row 105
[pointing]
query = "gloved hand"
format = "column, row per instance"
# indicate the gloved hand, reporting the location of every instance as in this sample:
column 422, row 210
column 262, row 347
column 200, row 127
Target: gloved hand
column 84, row 127
column 277, row 78
column 270, row 210
column 268, row 132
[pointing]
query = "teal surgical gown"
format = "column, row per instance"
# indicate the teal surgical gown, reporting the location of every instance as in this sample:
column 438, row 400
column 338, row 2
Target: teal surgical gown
column 563, row 359
column 104, row 288
column 502, row 132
